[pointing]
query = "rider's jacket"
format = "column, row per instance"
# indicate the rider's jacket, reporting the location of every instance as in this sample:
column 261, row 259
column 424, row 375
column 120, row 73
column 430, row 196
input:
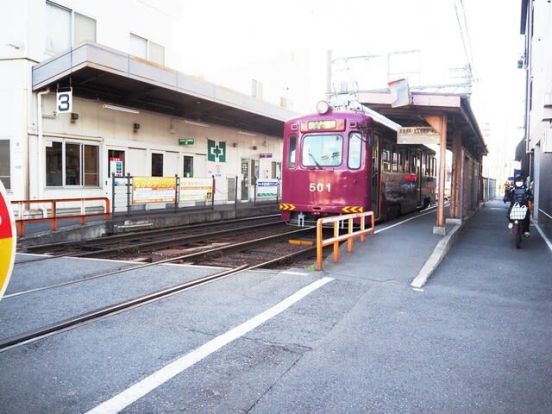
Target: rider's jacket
column 520, row 195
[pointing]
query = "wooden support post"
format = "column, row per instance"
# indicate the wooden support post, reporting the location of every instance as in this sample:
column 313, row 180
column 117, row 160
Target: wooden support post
column 439, row 123
column 456, row 175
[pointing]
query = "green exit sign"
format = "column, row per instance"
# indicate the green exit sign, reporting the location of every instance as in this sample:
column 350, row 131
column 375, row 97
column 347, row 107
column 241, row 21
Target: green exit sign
column 186, row 141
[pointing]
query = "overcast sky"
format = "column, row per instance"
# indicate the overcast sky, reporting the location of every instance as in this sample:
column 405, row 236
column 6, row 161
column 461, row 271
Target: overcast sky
column 231, row 42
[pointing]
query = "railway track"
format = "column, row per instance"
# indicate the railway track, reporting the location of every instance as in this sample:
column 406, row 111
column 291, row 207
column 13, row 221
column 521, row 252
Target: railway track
column 79, row 320
column 187, row 258
column 111, row 246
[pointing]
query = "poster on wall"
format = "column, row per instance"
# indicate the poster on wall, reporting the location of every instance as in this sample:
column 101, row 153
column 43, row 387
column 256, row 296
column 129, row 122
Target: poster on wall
column 153, row 190
column 267, row 189
column 196, row 189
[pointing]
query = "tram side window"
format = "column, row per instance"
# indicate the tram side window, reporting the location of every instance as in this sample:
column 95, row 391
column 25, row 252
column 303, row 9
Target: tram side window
column 292, row 151
column 355, row 151
column 386, row 160
column 424, row 164
column 407, row 161
column 395, row 160
column 400, row 160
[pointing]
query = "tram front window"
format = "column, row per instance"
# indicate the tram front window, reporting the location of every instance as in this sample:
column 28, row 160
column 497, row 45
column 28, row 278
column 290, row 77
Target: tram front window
column 322, row 150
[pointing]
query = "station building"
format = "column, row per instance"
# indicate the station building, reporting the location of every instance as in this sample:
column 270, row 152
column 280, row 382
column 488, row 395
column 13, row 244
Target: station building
column 535, row 151
column 131, row 113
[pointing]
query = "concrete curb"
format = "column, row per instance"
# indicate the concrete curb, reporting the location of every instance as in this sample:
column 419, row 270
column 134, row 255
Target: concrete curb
column 436, row 257
column 438, row 254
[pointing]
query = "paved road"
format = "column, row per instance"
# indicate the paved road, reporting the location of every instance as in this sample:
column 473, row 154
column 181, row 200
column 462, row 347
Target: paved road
column 476, row 339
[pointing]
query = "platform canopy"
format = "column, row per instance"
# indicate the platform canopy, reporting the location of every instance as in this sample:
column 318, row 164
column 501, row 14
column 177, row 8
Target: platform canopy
column 455, row 107
column 98, row 72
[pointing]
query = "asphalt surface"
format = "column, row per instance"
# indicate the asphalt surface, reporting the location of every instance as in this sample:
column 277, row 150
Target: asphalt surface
column 475, row 339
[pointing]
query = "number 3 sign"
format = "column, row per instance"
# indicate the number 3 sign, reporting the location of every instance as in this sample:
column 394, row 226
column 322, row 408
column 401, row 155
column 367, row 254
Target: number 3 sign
column 64, row 103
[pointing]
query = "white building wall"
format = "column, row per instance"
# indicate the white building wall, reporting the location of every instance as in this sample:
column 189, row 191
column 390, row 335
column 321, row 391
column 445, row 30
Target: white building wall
column 158, row 133
column 24, row 24
column 14, row 97
column 23, row 29
column 540, row 117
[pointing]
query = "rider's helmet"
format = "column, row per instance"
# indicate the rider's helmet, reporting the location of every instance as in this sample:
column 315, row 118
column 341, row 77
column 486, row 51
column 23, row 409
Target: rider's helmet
column 518, row 181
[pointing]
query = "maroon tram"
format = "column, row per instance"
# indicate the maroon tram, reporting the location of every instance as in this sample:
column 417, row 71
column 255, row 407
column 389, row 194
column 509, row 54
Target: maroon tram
column 339, row 162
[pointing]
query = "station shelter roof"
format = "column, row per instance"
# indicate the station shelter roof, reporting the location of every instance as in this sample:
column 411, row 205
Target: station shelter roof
column 456, row 107
column 98, row 72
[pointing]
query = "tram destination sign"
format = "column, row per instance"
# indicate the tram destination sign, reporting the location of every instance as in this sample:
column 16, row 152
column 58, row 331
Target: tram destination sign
column 417, row 135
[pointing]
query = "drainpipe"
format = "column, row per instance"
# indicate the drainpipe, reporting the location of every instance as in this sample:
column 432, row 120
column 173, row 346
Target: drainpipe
column 39, row 142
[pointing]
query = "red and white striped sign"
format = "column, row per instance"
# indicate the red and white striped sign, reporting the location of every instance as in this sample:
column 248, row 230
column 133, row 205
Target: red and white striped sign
column 7, row 240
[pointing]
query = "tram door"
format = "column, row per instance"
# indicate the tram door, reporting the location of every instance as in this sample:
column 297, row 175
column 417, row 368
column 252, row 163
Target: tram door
column 375, row 184
column 419, row 182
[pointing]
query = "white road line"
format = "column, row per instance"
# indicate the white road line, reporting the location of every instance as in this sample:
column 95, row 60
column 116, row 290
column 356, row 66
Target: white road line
column 548, row 242
column 404, row 221
column 148, row 384
column 289, row 272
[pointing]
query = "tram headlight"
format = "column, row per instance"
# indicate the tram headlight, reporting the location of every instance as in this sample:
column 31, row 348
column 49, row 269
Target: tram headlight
column 323, row 107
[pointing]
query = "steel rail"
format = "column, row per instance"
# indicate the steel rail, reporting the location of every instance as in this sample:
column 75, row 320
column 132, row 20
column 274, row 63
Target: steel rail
column 170, row 241
column 137, row 234
column 168, row 260
column 56, row 327
column 145, row 244
column 70, row 323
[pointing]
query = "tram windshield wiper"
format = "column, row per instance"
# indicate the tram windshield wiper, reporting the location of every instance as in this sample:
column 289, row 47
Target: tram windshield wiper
column 315, row 161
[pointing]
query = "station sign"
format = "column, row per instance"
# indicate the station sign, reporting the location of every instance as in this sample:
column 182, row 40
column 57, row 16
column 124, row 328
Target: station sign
column 64, row 101
column 186, row 141
column 267, row 188
column 8, row 240
column 417, row 135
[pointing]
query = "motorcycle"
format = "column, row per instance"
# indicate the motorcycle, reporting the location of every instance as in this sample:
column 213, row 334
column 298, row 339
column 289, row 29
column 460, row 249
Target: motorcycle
column 517, row 215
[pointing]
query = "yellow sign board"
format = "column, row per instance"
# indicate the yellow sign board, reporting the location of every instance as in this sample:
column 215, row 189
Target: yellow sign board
column 153, row 190
column 8, row 240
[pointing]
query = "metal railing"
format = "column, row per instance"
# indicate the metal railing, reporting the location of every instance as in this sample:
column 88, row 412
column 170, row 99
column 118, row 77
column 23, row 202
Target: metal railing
column 176, row 194
column 349, row 236
column 52, row 212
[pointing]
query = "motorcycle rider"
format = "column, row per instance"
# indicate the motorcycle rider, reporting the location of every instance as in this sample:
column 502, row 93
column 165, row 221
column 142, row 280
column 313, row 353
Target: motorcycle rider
column 522, row 195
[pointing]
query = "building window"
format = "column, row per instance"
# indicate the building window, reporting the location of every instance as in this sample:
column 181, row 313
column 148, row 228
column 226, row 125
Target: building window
column 91, row 166
column 138, row 46
column 156, row 53
column 85, row 29
column 65, row 28
column 5, row 175
column 276, row 170
column 72, row 164
column 157, row 165
column 58, row 28
column 188, row 166
column 146, row 49
column 54, row 164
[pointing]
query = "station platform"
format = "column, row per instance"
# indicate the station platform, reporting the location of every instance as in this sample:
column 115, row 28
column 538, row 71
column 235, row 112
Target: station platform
column 474, row 338
column 71, row 230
